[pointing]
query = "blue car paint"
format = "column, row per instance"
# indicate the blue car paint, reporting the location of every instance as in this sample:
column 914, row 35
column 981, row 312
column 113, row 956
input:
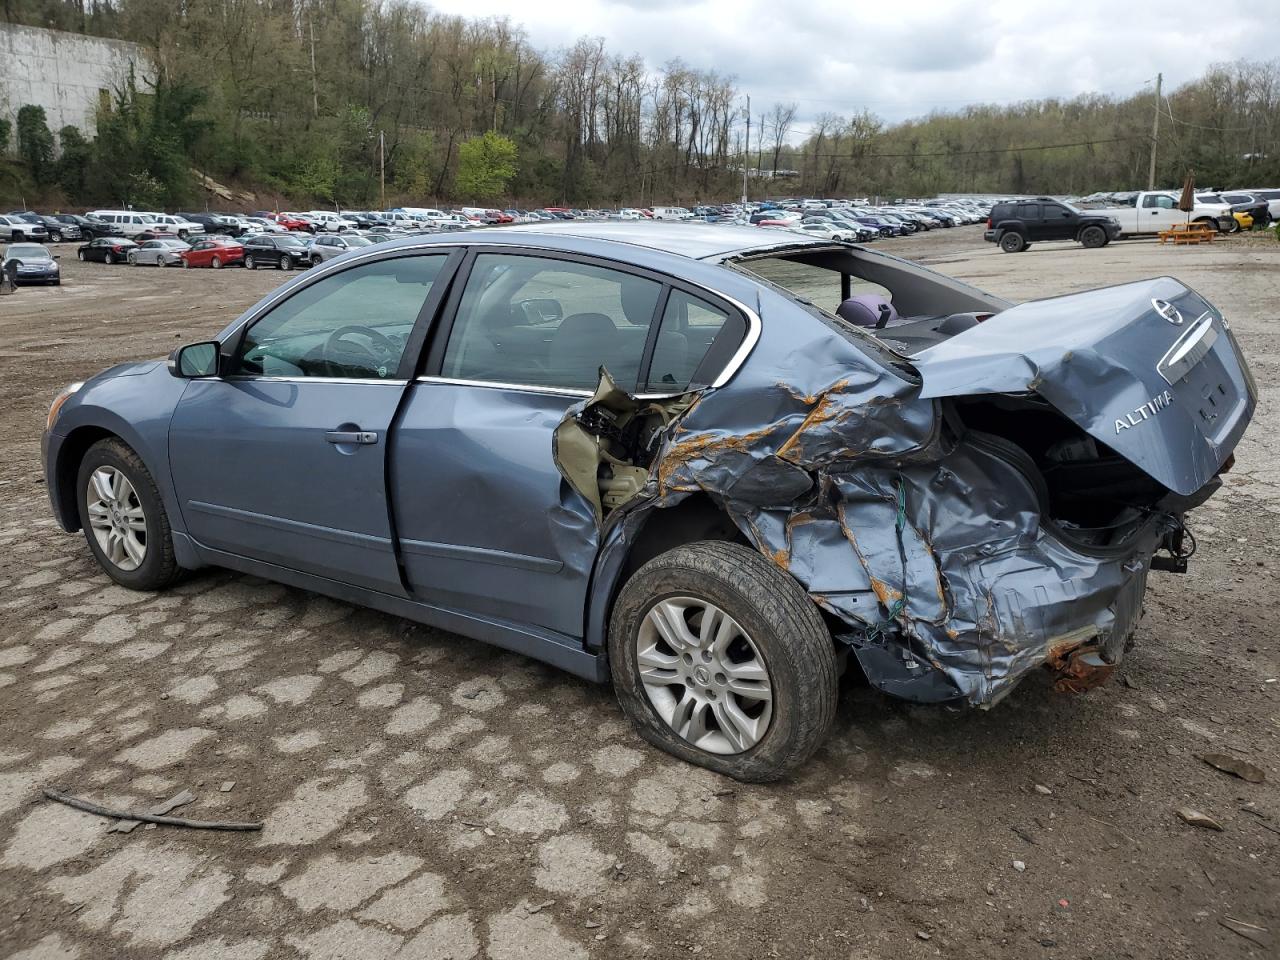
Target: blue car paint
column 814, row 408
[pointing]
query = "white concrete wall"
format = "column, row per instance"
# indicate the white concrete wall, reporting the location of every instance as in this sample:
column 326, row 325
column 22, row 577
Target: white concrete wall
column 64, row 73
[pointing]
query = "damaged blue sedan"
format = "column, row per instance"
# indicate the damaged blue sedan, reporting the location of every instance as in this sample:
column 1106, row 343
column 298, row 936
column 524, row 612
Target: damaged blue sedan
column 716, row 465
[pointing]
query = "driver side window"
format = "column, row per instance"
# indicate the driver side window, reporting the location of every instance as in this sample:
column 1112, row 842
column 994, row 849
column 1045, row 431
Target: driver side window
column 352, row 325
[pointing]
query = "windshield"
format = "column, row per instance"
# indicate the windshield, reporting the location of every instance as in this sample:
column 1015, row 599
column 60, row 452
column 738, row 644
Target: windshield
column 359, row 242
column 30, row 251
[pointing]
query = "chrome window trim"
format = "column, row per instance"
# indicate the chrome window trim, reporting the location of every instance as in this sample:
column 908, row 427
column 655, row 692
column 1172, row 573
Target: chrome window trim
column 504, row 385
column 236, row 378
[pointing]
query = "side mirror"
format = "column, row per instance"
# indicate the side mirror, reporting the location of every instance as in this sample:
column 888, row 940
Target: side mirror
column 195, row 360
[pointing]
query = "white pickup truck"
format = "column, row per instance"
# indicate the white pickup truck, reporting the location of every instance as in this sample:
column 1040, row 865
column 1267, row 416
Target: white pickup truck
column 1150, row 211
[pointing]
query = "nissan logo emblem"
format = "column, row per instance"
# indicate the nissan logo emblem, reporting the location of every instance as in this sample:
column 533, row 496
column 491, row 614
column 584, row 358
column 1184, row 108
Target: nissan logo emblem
column 1168, row 311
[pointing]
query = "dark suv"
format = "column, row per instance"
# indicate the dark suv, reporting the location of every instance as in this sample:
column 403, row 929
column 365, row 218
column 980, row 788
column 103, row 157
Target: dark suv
column 1016, row 224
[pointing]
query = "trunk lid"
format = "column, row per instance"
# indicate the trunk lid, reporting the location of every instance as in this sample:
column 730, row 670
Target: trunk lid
column 1149, row 369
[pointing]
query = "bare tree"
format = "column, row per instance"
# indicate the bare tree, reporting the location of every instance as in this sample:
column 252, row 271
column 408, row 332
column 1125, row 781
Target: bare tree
column 781, row 118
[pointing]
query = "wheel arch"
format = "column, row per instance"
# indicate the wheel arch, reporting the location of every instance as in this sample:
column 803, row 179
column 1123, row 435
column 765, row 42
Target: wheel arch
column 66, row 468
column 641, row 536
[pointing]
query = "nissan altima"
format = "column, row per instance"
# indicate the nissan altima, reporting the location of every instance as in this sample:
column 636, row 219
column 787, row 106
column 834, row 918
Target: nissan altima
column 716, row 465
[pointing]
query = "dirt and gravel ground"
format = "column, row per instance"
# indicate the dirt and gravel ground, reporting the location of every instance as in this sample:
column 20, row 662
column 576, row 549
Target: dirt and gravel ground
column 428, row 797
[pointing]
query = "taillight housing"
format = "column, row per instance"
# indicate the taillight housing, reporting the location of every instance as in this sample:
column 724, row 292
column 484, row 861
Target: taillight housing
column 988, row 223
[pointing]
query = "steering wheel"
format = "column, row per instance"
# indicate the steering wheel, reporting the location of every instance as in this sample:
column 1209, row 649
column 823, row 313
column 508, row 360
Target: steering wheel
column 341, row 352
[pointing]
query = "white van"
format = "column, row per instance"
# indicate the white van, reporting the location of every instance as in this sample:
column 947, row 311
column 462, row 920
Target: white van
column 671, row 213
column 124, row 223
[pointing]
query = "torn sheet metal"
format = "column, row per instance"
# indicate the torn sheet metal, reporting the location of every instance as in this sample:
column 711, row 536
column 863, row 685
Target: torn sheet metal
column 921, row 539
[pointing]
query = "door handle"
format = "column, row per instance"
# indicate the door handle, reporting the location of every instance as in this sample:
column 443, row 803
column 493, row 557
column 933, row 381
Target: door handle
column 351, row 436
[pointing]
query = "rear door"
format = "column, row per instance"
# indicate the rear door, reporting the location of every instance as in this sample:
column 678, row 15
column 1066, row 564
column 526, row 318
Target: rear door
column 486, row 522
column 283, row 460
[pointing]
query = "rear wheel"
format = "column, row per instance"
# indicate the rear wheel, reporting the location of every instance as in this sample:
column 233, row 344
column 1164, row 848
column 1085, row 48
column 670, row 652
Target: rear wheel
column 216, row 263
column 124, row 519
column 720, row 658
column 1093, row 237
column 108, row 258
column 1013, row 242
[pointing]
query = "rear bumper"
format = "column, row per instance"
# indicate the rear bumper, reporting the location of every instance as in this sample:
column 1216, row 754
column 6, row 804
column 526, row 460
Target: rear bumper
column 991, row 236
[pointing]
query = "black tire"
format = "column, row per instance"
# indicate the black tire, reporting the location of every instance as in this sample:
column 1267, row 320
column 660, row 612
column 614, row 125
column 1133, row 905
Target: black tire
column 1012, row 242
column 250, row 263
column 1093, row 237
column 17, row 236
column 284, row 263
column 316, row 261
column 1207, row 224
column 783, row 624
column 159, row 567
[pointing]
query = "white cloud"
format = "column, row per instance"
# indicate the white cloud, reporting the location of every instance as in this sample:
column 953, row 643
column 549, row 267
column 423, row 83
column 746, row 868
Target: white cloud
column 906, row 59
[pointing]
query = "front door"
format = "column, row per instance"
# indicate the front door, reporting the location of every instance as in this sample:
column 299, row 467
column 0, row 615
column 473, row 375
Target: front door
column 283, row 459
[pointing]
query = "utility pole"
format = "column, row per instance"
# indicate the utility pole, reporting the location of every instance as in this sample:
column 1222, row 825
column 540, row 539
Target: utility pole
column 1155, row 134
column 382, row 166
column 746, row 153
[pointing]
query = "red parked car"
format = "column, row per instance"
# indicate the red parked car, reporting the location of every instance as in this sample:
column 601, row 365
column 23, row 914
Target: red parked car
column 497, row 216
column 215, row 252
column 290, row 222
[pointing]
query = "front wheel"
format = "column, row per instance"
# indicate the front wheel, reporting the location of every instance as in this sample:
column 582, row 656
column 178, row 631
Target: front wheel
column 720, row 658
column 285, row 262
column 124, row 519
column 55, row 237
column 250, row 264
column 216, row 263
column 1093, row 237
column 133, row 259
column 1012, row 242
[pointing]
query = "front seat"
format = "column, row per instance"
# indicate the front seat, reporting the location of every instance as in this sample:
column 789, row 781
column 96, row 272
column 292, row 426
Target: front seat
column 582, row 344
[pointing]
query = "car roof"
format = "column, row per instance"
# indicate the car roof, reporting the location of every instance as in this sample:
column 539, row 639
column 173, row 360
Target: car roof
column 697, row 241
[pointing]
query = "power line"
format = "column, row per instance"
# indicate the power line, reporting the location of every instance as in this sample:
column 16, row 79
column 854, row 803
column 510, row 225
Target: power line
column 968, row 153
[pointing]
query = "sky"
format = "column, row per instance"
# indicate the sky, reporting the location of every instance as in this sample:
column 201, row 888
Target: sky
column 908, row 58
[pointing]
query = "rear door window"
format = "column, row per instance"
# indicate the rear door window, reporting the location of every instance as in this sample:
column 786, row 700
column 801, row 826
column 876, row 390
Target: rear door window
column 539, row 321
column 1029, row 211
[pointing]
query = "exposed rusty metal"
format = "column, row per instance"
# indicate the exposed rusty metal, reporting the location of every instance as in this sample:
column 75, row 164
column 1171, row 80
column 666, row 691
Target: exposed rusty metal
column 1079, row 669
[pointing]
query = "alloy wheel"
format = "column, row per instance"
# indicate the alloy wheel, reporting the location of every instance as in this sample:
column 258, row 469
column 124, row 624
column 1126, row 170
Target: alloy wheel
column 116, row 517
column 703, row 675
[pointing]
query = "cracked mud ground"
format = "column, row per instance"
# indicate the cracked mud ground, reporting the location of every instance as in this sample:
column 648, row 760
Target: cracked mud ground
column 428, row 797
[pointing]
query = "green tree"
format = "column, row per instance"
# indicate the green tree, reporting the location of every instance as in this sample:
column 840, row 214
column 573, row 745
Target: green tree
column 486, row 164
column 71, row 169
column 35, row 143
column 6, row 126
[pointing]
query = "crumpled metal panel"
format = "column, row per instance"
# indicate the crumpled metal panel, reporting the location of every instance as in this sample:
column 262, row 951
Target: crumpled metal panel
column 1169, row 391
column 928, row 548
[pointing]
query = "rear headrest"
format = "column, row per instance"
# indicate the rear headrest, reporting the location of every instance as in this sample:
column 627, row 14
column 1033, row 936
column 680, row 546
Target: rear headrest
column 866, row 310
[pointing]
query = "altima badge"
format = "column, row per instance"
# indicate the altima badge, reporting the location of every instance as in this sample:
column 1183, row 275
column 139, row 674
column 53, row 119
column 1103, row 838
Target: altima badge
column 1168, row 311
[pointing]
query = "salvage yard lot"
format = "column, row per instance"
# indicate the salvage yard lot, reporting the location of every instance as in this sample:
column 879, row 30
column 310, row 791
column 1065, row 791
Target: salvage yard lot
column 425, row 796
